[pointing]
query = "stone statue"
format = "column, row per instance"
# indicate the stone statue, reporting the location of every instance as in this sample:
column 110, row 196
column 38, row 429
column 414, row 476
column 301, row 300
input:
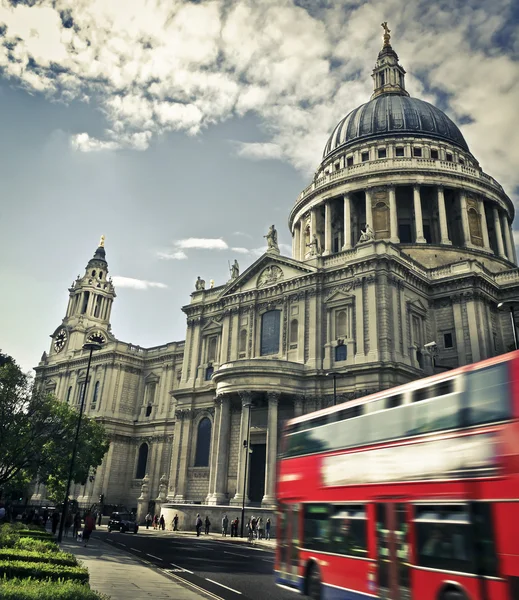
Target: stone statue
column 211, row 283
column 272, row 239
column 235, row 270
column 199, row 284
column 315, row 246
column 387, row 31
column 145, row 488
column 367, row 235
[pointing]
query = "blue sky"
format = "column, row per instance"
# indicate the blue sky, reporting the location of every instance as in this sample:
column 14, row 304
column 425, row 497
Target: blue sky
column 156, row 123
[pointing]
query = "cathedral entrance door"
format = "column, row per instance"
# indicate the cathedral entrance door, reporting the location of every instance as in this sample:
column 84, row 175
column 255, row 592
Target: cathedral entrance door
column 257, row 472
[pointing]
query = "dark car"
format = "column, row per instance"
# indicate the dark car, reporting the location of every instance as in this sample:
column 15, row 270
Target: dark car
column 123, row 522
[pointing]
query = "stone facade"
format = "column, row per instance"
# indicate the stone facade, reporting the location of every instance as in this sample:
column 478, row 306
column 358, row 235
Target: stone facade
column 400, row 240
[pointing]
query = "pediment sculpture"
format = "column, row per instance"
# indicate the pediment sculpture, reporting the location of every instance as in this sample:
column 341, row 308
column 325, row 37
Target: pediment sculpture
column 272, row 274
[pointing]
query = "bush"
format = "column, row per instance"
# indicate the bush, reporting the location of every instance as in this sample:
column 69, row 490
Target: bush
column 40, row 570
column 16, row 589
column 56, row 558
column 43, row 546
column 35, row 533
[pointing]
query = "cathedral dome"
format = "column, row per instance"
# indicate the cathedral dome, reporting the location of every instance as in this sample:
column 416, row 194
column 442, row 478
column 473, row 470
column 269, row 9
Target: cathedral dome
column 390, row 114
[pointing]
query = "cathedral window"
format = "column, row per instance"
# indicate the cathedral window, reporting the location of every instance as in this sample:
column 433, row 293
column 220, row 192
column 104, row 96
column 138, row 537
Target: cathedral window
column 152, row 387
column 382, row 78
column 97, row 306
column 399, row 151
column 270, row 332
column 448, row 341
column 209, row 373
column 80, row 390
column 341, row 353
column 434, row 154
column 142, row 461
column 349, row 161
column 211, row 349
column 203, row 443
column 448, row 157
column 96, row 394
column 86, row 296
column 294, row 333
column 93, row 273
column 417, row 152
column 242, row 346
column 382, row 153
column 364, row 156
column 148, row 410
column 69, row 392
column 341, row 324
column 461, row 160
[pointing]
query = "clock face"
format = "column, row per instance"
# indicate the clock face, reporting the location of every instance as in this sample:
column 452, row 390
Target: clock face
column 97, row 336
column 60, row 340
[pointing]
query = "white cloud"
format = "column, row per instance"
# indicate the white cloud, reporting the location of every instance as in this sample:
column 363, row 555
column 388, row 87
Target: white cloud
column 136, row 284
column 242, row 234
column 202, row 243
column 256, row 151
column 175, row 255
column 241, row 250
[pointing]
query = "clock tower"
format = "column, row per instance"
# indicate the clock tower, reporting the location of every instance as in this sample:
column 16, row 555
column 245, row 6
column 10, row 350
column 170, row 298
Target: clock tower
column 89, row 307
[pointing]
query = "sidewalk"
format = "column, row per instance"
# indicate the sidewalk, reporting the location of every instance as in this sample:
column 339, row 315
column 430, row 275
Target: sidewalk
column 121, row 576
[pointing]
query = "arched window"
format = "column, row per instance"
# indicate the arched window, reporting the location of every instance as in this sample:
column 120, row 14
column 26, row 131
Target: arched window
column 148, row 410
column 341, row 353
column 341, row 324
column 270, row 332
column 97, row 306
column 69, row 393
column 142, row 461
column 203, row 443
column 242, row 347
column 96, row 393
column 294, row 332
column 209, row 373
column 211, row 349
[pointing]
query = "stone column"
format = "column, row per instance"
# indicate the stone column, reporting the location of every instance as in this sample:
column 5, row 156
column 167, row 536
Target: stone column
column 465, row 219
column 246, row 399
column 143, row 500
column 302, row 239
column 298, row 405
column 269, row 499
column 484, row 225
column 347, row 222
column 444, row 230
column 313, row 224
column 214, row 445
column 369, row 214
column 393, row 216
column 222, row 459
column 183, row 455
column 296, row 246
column 508, row 238
column 499, row 233
column 327, row 228
column 418, row 219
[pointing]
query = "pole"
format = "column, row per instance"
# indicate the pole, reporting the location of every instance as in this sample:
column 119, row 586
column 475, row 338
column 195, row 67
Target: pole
column 334, row 390
column 246, row 444
column 74, row 449
column 514, row 328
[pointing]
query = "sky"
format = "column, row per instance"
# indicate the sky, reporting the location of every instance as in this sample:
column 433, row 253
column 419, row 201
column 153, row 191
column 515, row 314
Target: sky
column 181, row 130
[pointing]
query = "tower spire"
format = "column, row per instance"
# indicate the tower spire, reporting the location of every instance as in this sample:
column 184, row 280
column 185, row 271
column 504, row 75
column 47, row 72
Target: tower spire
column 388, row 75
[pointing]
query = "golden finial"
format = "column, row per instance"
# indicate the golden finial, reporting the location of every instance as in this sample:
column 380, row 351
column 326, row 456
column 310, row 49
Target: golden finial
column 387, row 31
column 102, row 242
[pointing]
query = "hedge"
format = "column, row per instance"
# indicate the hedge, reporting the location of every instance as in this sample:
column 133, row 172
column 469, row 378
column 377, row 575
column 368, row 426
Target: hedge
column 40, row 570
column 43, row 546
column 55, row 558
column 40, row 534
column 27, row 589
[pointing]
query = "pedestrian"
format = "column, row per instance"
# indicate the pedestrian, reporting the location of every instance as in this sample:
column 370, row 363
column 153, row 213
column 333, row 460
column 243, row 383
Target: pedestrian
column 77, row 525
column 175, row 523
column 68, row 523
column 90, row 525
column 155, row 522
column 55, row 521
column 233, row 525
column 225, row 525
column 253, row 523
column 148, row 520
column 250, row 530
column 237, row 520
column 267, row 529
column 207, row 525
column 259, row 527
column 198, row 524
column 162, row 522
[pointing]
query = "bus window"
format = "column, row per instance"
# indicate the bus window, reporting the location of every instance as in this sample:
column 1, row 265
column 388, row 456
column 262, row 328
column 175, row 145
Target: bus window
column 348, row 531
column 444, row 538
column 488, row 396
column 484, row 545
column 316, row 527
column 394, row 401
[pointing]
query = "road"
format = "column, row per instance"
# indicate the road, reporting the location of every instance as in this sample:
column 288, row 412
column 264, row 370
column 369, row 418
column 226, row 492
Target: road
column 230, row 571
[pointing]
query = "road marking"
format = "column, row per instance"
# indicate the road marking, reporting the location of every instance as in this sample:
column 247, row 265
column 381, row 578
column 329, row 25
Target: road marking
column 235, row 554
column 109, row 540
column 267, row 559
column 181, row 568
column 191, row 585
column 135, row 550
column 121, row 544
column 222, row 585
column 152, row 556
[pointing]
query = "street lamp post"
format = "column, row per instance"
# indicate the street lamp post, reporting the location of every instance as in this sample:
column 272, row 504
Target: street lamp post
column 512, row 319
column 246, row 445
column 91, row 346
column 334, row 375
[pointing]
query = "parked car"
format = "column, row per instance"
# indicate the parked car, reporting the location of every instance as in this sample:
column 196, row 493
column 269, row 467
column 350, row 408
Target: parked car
column 123, row 522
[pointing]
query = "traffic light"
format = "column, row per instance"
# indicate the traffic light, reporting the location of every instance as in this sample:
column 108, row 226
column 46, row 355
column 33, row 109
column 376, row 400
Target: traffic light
column 101, row 498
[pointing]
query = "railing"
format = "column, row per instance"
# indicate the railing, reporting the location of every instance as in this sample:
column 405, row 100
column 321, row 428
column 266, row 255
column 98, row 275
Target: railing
column 389, row 164
column 507, row 276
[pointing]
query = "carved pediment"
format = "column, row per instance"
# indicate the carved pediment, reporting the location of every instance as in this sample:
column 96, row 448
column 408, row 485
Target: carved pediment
column 212, row 326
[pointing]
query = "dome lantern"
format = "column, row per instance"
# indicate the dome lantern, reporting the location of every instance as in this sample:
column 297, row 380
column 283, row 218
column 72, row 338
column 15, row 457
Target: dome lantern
column 388, row 75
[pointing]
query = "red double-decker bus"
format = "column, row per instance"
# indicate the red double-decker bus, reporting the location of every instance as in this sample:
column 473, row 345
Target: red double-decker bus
column 410, row 493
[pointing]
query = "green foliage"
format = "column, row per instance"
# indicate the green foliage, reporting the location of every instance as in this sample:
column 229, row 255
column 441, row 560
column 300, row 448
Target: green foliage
column 37, row 535
column 57, row 558
column 27, row 589
column 37, row 433
column 40, row 570
column 42, row 546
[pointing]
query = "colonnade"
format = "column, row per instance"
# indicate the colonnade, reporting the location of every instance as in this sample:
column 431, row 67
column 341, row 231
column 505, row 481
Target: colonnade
column 307, row 229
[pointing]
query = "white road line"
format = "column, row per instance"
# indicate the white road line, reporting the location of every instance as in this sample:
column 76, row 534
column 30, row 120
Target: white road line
column 267, row 560
column 222, row 585
column 152, row 556
column 235, row 554
column 135, row 550
column 192, row 585
column 182, row 568
column 121, row 544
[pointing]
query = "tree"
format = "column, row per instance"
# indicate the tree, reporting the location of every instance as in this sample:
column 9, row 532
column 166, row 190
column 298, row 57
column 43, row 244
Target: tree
column 37, row 433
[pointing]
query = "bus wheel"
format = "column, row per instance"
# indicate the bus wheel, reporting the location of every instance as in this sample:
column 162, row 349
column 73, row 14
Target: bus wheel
column 313, row 585
column 453, row 595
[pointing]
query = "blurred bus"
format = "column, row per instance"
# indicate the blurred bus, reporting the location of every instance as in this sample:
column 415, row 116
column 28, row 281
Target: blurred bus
column 410, row 493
